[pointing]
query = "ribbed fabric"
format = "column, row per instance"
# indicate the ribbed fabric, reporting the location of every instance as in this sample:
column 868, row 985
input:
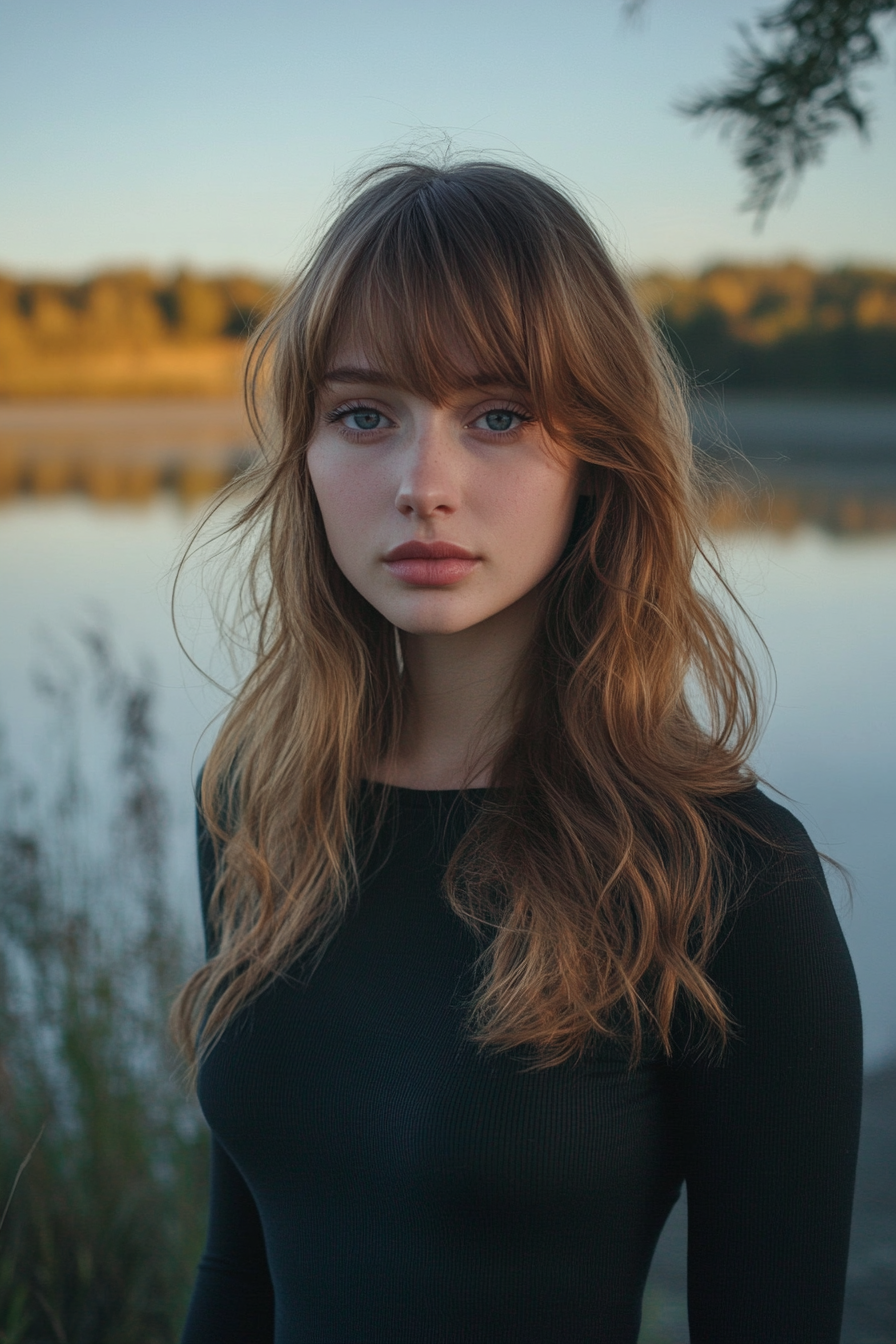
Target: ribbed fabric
column 377, row 1179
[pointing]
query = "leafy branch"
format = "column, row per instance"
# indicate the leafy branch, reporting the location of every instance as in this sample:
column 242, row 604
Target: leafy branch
column 789, row 93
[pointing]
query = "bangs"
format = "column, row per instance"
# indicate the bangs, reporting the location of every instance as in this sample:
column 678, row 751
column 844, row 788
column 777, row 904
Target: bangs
column 435, row 300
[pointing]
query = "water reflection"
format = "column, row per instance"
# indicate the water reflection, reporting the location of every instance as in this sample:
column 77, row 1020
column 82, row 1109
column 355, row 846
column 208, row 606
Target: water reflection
column 109, row 482
column 122, row 452
column 841, row 507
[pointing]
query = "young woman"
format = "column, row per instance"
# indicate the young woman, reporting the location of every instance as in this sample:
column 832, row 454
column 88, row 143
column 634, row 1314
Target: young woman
column 505, row 946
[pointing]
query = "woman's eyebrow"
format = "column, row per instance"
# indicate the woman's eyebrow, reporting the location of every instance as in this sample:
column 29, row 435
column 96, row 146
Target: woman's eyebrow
column 349, row 374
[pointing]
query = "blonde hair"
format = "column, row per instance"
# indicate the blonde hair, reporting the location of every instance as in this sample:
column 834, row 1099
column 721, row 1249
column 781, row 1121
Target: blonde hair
column 595, row 873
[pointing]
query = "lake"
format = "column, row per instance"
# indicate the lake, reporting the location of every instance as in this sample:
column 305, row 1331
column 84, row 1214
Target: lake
column 98, row 502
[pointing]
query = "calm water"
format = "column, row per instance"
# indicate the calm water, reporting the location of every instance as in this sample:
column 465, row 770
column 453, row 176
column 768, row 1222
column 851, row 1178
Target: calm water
column 824, row 602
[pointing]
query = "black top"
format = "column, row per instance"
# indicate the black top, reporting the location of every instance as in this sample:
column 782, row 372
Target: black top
column 378, row 1179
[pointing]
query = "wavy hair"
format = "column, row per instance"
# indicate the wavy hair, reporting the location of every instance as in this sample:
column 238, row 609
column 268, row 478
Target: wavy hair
column 595, row 872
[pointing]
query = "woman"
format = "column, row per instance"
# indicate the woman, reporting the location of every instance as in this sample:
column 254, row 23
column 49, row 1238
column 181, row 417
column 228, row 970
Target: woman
column 505, row 944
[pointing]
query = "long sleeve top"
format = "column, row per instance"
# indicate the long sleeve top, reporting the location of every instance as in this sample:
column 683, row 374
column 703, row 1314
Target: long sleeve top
column 377, row 1178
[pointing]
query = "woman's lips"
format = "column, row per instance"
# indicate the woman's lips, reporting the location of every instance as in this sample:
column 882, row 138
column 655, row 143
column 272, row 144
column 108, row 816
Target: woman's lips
column 430, row 564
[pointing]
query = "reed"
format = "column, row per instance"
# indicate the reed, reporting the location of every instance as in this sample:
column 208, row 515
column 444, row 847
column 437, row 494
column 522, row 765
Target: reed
column 104, row 1227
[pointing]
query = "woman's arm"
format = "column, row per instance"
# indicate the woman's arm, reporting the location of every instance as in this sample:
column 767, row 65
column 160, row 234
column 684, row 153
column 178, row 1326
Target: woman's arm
column 233, row 1299
column 770, row 1133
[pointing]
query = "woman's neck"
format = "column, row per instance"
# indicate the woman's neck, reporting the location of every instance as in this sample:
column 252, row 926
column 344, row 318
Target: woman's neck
column 460, row 708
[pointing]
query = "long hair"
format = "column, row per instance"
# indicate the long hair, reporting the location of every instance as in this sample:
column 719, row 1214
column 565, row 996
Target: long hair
column 594, row 873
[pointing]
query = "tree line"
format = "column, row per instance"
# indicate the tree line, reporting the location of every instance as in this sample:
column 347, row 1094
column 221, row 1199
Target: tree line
column 787, row 326
column 127, row 307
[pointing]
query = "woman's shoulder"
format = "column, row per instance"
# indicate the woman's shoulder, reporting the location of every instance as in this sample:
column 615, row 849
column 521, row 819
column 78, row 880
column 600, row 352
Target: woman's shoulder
column 753, row 810
column 777, row 897
column 764, row 843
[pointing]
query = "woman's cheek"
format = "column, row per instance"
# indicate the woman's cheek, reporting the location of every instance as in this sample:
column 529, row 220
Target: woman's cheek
column 344, row 497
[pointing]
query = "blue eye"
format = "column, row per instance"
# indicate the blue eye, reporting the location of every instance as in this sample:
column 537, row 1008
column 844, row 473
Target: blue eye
column 499, row 421
column 363, row 419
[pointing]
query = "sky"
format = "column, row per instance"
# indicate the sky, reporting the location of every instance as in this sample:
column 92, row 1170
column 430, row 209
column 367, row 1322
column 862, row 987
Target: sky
column 210, row 133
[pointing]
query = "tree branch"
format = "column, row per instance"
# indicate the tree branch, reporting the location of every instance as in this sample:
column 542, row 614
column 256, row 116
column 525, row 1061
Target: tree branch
column 783, row 104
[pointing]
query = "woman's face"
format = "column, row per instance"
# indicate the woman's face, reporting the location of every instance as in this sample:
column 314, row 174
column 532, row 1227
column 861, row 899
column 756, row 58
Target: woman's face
column 440, row 516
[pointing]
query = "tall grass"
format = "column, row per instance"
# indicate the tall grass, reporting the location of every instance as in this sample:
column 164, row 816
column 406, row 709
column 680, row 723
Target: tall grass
column 104, row 1227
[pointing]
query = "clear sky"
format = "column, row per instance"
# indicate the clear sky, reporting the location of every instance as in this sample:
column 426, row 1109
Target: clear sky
column 210, row 132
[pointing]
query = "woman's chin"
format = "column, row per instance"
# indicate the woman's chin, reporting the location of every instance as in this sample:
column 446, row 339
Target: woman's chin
column 436, row 625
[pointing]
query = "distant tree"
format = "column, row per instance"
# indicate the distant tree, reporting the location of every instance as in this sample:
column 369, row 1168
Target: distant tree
column 250, row 299
column 201, row 306
column 787, row 96
column 120, row 306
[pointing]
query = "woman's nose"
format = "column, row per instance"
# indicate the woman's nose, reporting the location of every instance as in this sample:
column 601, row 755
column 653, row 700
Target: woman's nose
column 429, row 483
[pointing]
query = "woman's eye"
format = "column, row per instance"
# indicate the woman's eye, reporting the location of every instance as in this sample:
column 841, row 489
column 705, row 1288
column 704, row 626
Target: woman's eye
column 364, row 419
column 499, row 421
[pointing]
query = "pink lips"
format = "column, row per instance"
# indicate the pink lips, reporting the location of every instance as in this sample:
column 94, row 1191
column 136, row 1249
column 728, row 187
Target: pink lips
column 430, row 564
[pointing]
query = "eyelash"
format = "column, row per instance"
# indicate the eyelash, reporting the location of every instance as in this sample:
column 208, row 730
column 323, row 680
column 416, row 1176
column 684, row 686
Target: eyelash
column 332, row 416
column 524, row 417
column 340, row 412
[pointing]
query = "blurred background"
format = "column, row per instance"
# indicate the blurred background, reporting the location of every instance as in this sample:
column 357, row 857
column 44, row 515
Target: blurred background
column 163, row 169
